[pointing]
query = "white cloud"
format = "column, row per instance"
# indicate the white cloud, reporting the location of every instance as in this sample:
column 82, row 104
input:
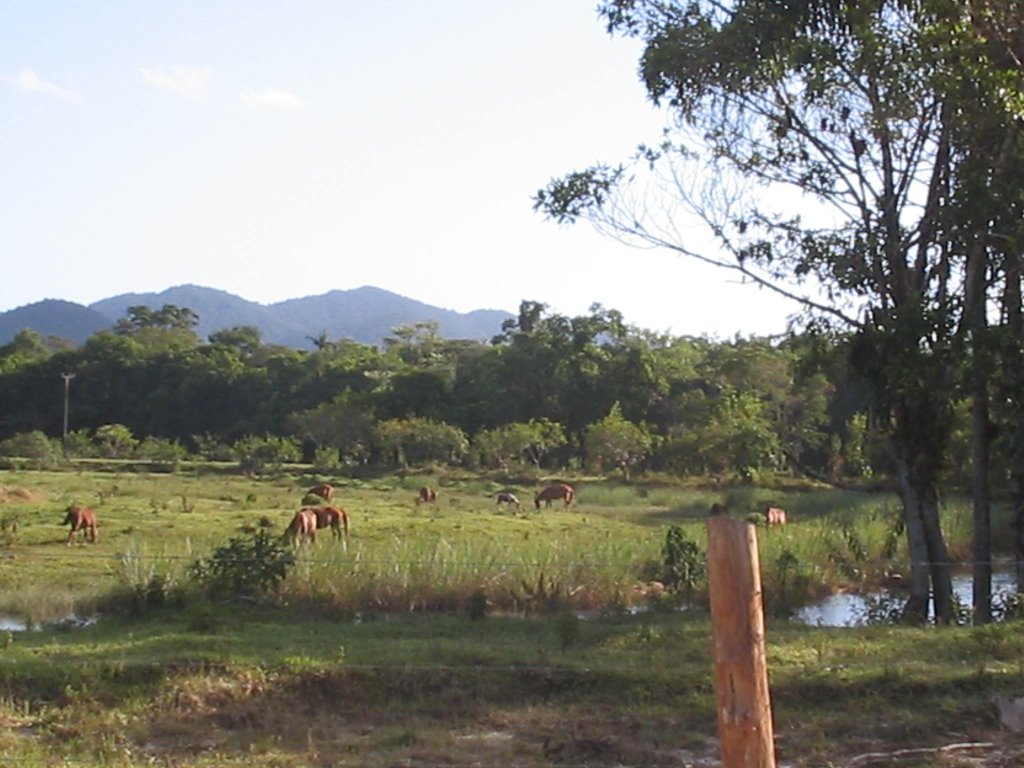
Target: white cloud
column 30, row 82
column 190, row 83
column 272, row 99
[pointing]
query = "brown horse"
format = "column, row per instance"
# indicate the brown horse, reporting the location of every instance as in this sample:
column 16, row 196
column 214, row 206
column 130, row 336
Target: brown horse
column 774, row 516
column 552, row 492
column 507, row 497
column 302, row 526
column 82, row 519
column 334, row 518
column 427, row 494
column 324, row 491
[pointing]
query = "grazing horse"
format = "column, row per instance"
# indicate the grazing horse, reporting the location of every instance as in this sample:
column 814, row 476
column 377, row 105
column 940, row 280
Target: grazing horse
column 82, row 519
column 552, row 492
column 334, row 518
column 427, row 494
column 303, row 525
column 774, row 516
column 506, row 497
column 324, row 491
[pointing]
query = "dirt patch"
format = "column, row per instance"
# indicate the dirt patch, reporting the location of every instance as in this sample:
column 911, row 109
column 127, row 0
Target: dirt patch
column 16, row 495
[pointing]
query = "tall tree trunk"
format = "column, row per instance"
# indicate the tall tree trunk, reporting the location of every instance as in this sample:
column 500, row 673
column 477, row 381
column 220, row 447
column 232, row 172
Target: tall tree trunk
column 917, row 463
column 1014, row 307
column 940, row 567
column 916, row 609
column 982, row 544
column 976, row 325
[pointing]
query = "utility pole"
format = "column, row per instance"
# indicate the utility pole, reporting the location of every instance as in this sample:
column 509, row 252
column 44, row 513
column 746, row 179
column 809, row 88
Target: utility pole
column 67, row 385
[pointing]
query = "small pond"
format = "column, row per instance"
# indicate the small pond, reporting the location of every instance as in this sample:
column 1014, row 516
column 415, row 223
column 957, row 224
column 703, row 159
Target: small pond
column 850, row 610
column 10, row 623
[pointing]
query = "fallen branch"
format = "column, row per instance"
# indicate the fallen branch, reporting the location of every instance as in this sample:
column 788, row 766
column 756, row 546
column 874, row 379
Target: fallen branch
column 900, row 754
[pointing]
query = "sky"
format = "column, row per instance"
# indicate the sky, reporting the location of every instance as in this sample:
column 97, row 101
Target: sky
column 278, row 150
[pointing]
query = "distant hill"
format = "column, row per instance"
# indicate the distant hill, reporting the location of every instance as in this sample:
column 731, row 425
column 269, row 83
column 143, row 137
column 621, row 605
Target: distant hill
column 53, row 317
column 366, row 315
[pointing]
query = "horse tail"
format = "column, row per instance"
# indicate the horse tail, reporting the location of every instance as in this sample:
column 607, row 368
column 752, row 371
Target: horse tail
column 344, row 521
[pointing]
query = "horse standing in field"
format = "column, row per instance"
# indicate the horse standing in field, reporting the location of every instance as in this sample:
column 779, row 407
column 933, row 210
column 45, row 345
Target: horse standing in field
column 774, row 516
column 427, row 495
column 81, row 519
column 334, row 518
column 506, row 497
column 324, row 491
column 302, row 526
column 552, row 492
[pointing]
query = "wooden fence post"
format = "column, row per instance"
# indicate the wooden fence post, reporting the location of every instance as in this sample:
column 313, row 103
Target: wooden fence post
column 737, row 630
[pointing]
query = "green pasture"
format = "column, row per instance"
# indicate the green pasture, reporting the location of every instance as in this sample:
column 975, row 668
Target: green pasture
column 454, row 633
column 405, row 556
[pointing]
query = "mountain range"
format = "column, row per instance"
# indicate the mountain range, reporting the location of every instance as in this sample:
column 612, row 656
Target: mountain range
column 366, row 315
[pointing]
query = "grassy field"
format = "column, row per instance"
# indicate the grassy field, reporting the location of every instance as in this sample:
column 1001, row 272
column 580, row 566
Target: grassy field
column 456, row 633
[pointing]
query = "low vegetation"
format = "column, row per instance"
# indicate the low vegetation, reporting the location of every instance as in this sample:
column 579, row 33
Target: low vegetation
column 454, row 633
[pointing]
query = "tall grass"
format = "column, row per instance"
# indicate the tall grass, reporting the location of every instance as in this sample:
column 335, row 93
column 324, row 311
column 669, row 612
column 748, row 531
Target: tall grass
column 458, row 554
column 445, row 573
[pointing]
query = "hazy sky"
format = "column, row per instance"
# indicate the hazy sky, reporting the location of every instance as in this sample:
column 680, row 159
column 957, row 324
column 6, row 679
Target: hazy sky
column 282, row 149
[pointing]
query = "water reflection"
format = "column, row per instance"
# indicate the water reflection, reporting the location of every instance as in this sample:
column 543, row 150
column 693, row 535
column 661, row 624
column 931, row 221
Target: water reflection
column 847, row 610
column 9, row 623
column 12, row 624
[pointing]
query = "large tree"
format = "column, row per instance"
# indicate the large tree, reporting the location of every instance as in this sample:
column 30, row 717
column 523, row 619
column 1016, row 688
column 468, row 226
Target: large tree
column 844, row 104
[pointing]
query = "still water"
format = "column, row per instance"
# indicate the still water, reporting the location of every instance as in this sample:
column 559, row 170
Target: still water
column 850, row 610
column 10, row 623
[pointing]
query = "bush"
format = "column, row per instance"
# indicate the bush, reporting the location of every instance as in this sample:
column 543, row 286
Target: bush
column 326, row 460
column 212, row 449
column 78, row 444
column 164, row 453
column 685, row 563
column 247, row 566
column 40, row 451
column 257, row 455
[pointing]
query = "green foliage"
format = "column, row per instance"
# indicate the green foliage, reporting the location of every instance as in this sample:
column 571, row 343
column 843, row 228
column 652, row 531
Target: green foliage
column 513, row 443
column 162, row 452
column 247, row 566
column 418, row 441
column 258, row 455
column 212, row 449
column 79, row 444
column 326, row 460
column 739, row 435
column 685, row 564
column 40, row 451
column 615, row 441
column 115, row 440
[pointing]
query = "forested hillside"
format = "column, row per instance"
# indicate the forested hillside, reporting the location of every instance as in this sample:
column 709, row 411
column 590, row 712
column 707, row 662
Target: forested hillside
column 365, row 314
column 551, row 391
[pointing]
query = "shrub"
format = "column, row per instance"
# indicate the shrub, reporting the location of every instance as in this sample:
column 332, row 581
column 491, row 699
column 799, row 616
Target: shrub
column 40, row 451
column 326, row 460
column 164, row 453
column 685, row 563
column 246, row 566
column 257, row 455
column 212, row 449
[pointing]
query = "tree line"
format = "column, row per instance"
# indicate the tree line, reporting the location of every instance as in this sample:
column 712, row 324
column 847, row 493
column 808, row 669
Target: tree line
column 549, row 392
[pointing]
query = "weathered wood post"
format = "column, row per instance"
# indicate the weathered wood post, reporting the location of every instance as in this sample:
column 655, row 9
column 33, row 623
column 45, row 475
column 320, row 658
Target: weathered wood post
column 737, row 629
